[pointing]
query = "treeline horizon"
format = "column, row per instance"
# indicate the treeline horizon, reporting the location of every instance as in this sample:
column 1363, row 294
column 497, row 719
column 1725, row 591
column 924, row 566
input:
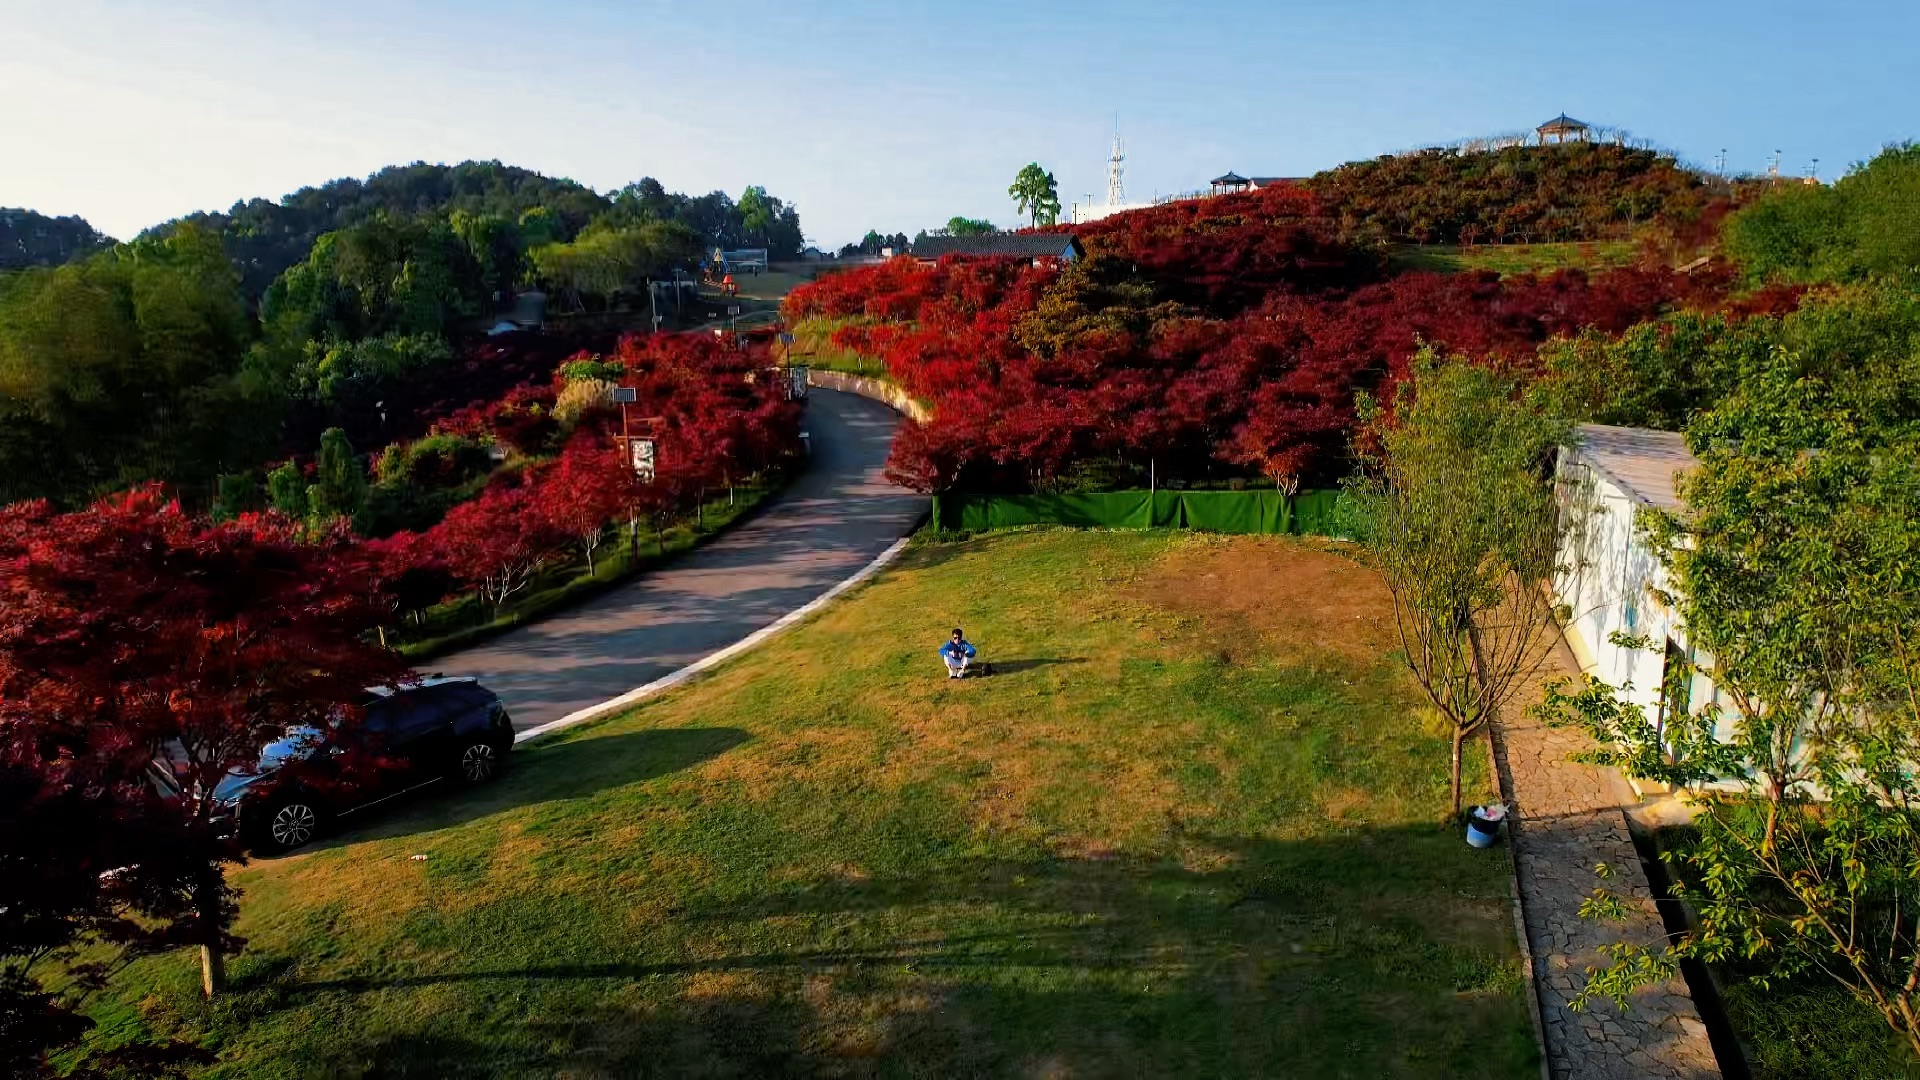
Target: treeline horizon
column 193, row 351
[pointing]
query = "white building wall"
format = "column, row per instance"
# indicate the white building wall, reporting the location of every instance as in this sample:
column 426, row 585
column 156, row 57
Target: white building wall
column 1606, row 577
column 1082, row 213
column 1606, row 583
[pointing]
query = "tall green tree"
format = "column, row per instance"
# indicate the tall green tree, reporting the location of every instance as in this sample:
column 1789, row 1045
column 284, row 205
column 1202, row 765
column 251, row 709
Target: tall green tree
column 340, row 480
column 1795, row 568
column 1866, row 223
column 608, row 259
column 1035, row 194
column 966, row 226
column 1453, row 507
column 757, row 212
column 496, row 247
column 540, row 225
column 123, row 367
column 287, row 490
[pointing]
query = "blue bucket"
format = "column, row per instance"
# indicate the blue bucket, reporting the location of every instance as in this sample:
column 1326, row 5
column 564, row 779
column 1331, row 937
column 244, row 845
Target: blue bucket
column 1483, row 825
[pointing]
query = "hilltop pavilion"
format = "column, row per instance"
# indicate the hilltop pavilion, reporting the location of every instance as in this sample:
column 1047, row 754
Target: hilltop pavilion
column 1560, row 129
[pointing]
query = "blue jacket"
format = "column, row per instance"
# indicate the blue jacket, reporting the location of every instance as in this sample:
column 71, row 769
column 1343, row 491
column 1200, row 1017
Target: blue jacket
column 957, row 649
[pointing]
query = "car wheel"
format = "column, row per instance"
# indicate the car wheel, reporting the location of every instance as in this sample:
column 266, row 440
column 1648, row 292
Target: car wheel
column 480, row 762
column 289, row 824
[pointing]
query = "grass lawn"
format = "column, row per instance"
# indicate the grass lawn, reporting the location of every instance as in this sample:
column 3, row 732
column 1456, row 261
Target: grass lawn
column 1189, row 829
column 779, row 280
column 1517, row 258
column 813, row 345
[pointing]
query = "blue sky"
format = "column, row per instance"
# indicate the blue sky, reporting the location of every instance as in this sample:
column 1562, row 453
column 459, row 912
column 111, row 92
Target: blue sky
column 899, row 115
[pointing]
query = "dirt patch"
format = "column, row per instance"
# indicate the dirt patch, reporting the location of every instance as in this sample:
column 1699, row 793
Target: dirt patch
column 1293, row 597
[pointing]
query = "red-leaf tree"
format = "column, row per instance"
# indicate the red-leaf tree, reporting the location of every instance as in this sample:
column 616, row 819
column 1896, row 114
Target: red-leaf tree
column 1220, row 332
column 584, row 490
column 135, row 637
column 411, row 572
column 497, row 542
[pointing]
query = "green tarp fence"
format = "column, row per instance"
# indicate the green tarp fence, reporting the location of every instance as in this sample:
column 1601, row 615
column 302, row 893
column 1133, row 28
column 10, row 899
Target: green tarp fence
column 1309, row 513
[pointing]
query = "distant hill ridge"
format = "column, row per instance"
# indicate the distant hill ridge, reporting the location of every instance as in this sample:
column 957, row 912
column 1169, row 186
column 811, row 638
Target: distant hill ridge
column 1560, row 192
column 29, row 238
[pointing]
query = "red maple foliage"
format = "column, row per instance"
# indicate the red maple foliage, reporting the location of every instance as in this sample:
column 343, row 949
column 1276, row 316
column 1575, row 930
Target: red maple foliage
column 497, row 542
column 582, row 492
column 134, row 638
column 1225, row 254
column 1109, row 371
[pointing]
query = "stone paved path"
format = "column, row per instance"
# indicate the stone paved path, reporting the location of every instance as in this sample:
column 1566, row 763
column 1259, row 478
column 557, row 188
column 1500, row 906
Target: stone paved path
column 1569, row 818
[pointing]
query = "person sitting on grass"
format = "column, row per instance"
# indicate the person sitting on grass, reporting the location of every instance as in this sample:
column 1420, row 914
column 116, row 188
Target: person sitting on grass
column 958, row 653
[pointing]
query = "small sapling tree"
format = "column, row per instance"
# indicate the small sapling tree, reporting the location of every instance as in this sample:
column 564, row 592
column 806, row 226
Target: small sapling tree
column 1454, row 506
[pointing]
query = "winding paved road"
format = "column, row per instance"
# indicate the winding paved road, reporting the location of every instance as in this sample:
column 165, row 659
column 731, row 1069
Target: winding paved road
column 828, row 523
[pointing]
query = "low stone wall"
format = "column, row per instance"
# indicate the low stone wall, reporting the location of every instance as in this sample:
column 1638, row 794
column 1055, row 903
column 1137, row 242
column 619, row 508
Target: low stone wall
column 878, row 389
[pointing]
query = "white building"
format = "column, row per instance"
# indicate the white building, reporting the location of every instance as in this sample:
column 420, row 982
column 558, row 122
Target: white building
column 1609, row 578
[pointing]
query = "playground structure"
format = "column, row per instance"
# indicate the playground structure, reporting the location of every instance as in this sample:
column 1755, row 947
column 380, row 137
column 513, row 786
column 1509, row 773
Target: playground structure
column 745, row 260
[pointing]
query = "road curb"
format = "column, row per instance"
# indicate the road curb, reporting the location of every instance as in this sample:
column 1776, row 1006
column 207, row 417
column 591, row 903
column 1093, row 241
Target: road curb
column 675, row 678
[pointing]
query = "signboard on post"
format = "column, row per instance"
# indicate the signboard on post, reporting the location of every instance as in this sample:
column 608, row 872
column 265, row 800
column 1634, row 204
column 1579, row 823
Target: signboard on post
column 786, row 338
column 640, row 453
column 733, row 309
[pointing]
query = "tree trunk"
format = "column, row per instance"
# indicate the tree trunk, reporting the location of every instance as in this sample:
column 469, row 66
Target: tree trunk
column 213, row 971
column 213, row 962
column 1481, row 675
column 1459, row 736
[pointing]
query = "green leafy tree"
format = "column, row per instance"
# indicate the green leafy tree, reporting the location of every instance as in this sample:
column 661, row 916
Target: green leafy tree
column 236, row 494
column 965, row 226
column 117, row 369
column 757, row 212
column 495, row 244
column 1452, row 507
column 1865, row 224
column 608, row 259
column 1795, row 234
column 1793, row 568
column 540, row 225
column 340, row 481
column 1661, row 374
column 1035, row 194
column 287, row 490
column 1883, row 203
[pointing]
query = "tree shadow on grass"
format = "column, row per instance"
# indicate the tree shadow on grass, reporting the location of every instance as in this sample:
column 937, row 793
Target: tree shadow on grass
column 1333, row 956
column 541, row 772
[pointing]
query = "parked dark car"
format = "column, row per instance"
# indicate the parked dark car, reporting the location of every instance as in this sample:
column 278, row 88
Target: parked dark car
column 437, row 729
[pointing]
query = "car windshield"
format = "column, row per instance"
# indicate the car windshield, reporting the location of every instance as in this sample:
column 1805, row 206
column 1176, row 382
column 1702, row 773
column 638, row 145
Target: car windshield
column 294, row 744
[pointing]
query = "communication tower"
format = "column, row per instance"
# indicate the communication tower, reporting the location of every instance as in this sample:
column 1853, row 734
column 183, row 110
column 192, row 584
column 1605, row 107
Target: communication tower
column 1116, row 193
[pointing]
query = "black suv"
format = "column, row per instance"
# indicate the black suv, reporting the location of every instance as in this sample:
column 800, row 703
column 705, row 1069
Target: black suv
column 439, row 728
